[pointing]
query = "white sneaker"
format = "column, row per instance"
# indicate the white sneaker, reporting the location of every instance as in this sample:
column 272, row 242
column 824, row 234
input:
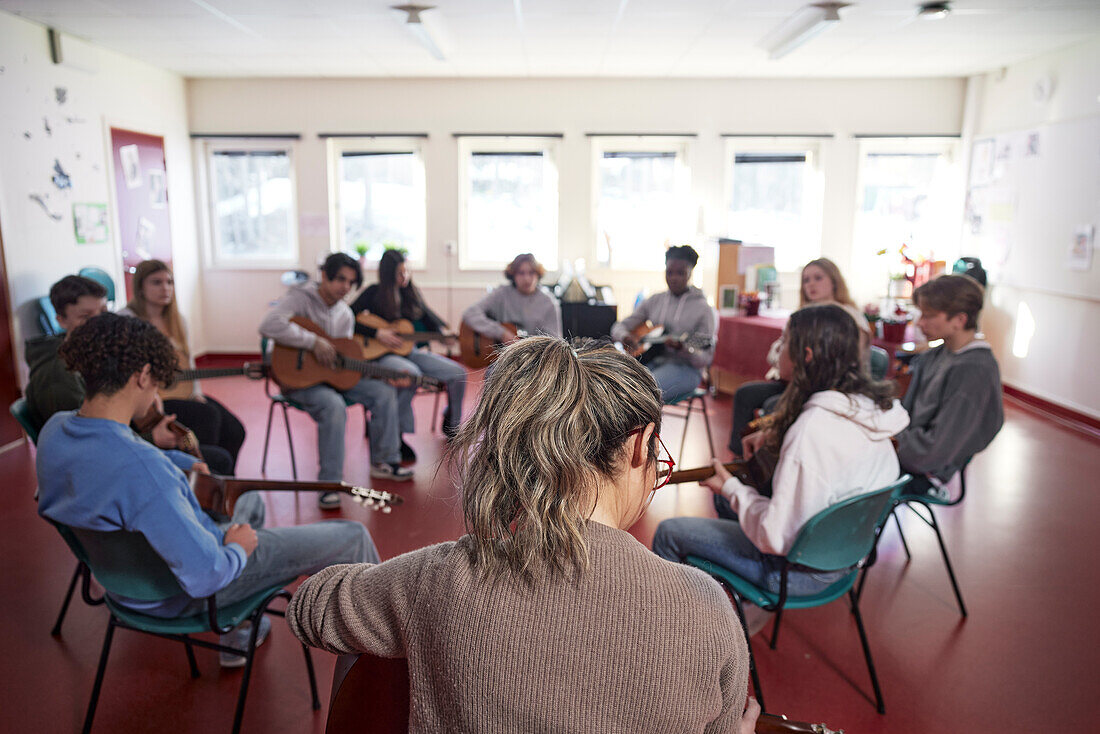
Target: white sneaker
column 328, row 500
column 238, row 638
column 393, row 472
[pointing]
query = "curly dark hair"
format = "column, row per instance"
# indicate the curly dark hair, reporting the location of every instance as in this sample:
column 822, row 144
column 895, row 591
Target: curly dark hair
column 832, row 336
column 337, row 261
column 686, row 253
column 108, row 349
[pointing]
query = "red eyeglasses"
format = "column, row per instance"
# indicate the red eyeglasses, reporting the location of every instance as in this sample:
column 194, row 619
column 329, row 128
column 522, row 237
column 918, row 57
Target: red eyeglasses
column 660, row 480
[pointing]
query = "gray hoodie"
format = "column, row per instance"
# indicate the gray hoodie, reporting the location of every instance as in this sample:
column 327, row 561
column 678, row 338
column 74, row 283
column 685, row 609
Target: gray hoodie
column 688, row 313
column 955, row 409
column 336, row 320
column 538, row 313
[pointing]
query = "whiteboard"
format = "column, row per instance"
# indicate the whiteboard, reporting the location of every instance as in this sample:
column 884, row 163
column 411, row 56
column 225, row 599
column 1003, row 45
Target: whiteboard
column 1029, row 192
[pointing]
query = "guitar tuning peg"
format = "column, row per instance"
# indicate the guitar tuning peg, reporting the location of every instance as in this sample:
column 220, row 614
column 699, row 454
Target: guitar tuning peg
column 386, row 510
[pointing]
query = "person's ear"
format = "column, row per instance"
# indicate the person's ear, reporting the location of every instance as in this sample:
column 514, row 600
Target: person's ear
column 145, row 376
column 640, row 456
column 809, row 355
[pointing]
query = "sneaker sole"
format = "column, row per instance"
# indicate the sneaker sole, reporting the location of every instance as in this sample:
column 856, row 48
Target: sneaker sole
column 226, row 660
column 377, row 474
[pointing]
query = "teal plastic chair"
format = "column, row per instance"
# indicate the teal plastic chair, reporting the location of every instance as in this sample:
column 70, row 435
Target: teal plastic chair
column 47, row 317
column 839, row 538
column 880, row 363
column 127, row 566
column 103, row 278
column 21, row 412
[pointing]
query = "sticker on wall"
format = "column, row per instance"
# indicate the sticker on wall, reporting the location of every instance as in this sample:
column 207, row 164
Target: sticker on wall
column 145, row 232
column 46, row 126
column 158, row 192
column 1080, row 252
column 90, row 223
column 41, row 201
column 131, row 165
column 60, row 179
column 75, row 120
column 60, row 94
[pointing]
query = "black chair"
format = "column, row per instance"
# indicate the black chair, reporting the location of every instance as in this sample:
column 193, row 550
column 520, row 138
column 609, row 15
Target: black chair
column 127, row 566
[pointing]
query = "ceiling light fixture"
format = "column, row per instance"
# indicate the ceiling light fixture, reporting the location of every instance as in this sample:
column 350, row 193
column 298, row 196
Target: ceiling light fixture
column 805, row 24
column 419, row 30
column 934, row 11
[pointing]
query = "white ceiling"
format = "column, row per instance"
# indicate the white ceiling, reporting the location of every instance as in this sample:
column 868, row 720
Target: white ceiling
column 572, row 38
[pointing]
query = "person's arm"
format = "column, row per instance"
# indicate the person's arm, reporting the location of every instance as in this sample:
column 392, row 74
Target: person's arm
column 773, row 523
column 361, row 304
column 701, row 357
column 276, row 323
column 621, row 329
column 477, row 315
column 361, row 607
column 181, row 459
column 184, row 537
column 731, row 650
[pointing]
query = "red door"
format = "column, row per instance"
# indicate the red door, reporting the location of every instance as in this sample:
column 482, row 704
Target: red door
column 9, row 386
column 141, row 196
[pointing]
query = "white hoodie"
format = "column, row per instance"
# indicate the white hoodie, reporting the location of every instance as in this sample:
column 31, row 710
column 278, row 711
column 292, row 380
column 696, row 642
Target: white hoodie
column 838, row 448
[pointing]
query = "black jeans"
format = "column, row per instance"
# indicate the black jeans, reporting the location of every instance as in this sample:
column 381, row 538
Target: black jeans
column 220, row 433
column 749, row 398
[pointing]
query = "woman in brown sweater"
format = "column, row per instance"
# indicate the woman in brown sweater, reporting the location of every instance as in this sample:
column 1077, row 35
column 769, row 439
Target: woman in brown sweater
column 547, row 616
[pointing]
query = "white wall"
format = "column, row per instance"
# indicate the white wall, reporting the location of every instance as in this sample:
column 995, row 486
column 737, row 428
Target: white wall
column 572, row 107
column 1061, row 362
column 122, row 93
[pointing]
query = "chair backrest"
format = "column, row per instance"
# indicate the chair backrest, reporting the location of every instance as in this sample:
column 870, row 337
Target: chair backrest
column 47, row 317
column 122, row 562
column 880, row 362
column 22, row 413
column 842, row 535
column 103, row 278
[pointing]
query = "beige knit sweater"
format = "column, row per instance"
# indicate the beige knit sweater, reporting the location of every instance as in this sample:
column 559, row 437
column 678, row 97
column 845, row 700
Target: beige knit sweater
column 637, row 644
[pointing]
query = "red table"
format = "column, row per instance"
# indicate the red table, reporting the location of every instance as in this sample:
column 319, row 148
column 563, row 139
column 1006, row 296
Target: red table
column 743, row 342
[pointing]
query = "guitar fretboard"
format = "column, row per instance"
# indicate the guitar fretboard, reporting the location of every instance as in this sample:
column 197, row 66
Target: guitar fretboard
column 187, row 375
column 370, row 369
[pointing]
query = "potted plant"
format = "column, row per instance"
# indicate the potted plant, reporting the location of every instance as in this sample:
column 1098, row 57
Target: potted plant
column 362, row 248
column 893, row 327
column 750, row 301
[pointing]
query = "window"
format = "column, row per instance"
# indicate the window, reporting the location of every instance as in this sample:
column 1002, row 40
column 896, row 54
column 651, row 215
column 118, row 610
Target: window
column 252, row 204
column 643, row 201
column 509, row 201
column 775, row 198
column 379, row 198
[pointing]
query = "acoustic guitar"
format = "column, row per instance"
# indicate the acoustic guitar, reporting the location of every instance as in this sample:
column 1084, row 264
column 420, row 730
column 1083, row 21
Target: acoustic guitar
column 293, row 368
column 219, row 495
column 650, row 341
column 182, row 389
column 410, row 337
column 186, row 440
column 478, row 350
column 371, row 694
column 756, row 472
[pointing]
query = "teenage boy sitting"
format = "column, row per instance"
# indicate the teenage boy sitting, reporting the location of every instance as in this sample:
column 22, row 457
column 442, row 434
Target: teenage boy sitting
column 954, row 397
column 95, row 473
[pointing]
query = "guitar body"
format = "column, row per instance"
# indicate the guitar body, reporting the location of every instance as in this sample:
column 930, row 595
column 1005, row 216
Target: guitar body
column 295, row 369
column 371, row 694
column 181, row 390
column 372, row 348
column 478, row 351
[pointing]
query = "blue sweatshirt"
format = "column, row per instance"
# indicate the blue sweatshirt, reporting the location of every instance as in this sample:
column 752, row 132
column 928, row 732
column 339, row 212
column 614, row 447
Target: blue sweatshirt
column 97, row 474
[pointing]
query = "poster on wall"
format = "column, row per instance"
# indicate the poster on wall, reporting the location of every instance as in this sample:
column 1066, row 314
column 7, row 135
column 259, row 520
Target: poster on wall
column 1080, row 252
column 90, row 223
column 141, row 197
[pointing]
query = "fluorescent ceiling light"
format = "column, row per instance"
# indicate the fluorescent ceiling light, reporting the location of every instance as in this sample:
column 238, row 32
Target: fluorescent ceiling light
column 419, row 31
column 805, row 24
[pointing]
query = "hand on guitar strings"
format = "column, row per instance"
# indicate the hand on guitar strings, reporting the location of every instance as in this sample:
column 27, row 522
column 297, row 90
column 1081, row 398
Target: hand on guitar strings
column 200, row 467
column 750, row 716
column 389, row 338
column 752, row 443
column 243, row 535
column 163, row 436
column 324, row 352
column 715, row 483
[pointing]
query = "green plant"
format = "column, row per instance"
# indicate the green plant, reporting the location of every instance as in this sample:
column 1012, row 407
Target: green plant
column 361, row 248
column 391, row 245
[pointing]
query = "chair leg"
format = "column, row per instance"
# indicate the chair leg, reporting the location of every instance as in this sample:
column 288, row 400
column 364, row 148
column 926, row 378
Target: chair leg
column 191, row 656
column 250, row 655
column 947, row 563
column 879, row 705
column 267, row 437
column 56, row 631
column 775, row 627
column 901, row 535
column 312, row 679
column 290, row 443
column 706, row 422
column 684, row 435
column 435, row 410
column 752, row 657
column 90, row 715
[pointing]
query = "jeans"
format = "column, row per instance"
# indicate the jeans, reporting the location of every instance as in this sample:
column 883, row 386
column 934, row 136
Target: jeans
column 675, row 378
column 419, row 362
column 326, row 406
column 748, row 398
column 284, row 554
column 725, row 543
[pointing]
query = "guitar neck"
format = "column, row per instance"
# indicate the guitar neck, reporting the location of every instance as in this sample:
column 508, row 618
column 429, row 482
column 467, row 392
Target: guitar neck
column 203, row 374
column 426, row 336
column 370, row 369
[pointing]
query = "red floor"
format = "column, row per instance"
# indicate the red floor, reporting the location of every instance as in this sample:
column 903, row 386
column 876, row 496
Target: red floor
column 1022, row 544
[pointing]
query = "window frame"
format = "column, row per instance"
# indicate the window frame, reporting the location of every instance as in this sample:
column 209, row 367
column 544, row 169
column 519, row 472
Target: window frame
column 550, row 147
column 681, row 145
column 213, row 257
column 397, row 144
column 812, row 148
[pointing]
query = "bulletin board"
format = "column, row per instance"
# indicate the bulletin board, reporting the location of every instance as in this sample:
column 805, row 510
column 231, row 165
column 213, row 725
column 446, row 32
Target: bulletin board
column 1032, row 194
column 141, row 200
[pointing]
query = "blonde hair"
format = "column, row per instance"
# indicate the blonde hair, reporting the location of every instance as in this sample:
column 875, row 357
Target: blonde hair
column 840, row 288
column 140, row 306
column 552, row 419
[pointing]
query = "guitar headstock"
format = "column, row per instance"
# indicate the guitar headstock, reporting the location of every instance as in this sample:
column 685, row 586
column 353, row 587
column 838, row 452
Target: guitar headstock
column 254, row 370
column 375, row 499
